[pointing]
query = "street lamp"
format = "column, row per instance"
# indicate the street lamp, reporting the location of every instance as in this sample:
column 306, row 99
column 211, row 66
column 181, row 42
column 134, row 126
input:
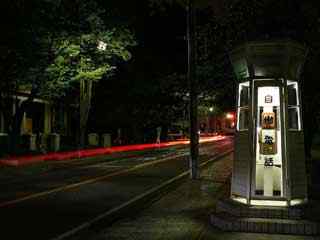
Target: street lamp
column 102, row 45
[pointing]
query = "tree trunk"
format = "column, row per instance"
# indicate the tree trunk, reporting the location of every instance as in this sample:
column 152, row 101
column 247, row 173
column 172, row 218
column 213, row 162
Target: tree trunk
column 85, row 104
column 82, row 137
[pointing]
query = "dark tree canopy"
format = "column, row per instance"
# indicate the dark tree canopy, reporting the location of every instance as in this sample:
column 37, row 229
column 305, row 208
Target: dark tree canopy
column 151, row 88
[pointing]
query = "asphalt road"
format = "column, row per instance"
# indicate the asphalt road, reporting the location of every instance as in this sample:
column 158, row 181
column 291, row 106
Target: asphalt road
column 58, row 200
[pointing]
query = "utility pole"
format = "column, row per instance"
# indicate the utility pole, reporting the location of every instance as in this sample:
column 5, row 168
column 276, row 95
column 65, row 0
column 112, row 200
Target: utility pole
column 192, row 81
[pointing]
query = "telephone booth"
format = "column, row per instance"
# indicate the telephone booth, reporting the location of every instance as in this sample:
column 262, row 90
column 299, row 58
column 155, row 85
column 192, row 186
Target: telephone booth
column 269, row 162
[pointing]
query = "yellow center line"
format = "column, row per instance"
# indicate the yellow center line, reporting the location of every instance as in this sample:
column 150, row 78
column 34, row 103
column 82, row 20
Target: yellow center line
column 89, row 181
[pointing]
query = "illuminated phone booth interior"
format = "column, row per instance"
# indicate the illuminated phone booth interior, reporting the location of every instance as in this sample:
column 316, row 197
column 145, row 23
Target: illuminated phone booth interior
column 269, row 163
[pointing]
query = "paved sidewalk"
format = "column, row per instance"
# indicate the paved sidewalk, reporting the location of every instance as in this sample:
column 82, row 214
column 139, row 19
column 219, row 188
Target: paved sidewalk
column 184, row 213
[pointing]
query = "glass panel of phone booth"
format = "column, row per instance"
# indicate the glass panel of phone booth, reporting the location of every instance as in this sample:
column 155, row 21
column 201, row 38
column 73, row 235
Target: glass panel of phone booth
column 243, row 107
column 294, row 122
column 268, row 176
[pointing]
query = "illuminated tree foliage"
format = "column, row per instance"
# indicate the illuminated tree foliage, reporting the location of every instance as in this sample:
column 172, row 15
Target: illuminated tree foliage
column 80, row 58
column 55, row 48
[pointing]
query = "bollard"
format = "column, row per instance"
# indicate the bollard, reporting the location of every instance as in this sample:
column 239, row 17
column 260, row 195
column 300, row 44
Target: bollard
column 106, row 140
column 93, row 139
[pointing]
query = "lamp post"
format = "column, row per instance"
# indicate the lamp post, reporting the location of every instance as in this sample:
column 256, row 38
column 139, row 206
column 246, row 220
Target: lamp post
column 194, row 136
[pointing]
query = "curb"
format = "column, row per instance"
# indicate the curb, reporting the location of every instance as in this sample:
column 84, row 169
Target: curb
column 133, row 205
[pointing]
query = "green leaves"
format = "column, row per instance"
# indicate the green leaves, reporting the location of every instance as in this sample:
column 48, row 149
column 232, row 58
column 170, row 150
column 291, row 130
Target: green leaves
column 69, row 48
column 93, row 75
column 52, row 44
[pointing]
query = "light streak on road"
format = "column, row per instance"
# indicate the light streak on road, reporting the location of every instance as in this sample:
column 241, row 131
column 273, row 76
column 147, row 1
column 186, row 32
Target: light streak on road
column 60, row 156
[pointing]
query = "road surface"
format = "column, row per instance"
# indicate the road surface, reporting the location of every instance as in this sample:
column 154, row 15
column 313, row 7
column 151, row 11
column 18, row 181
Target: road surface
column 46, row 206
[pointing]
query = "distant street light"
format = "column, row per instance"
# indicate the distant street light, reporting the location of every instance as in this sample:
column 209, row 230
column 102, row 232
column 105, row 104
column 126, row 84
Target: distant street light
column 229, row 116
column 211, row 109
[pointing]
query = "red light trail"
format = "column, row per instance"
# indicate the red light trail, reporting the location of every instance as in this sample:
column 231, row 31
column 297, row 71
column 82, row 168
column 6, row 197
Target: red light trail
column 60, row 156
